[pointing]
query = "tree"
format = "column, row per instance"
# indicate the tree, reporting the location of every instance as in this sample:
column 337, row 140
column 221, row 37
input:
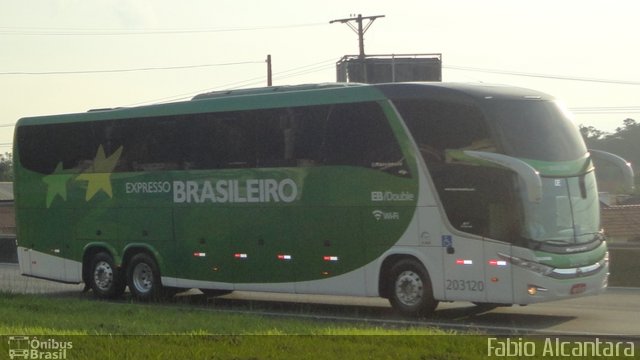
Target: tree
column 6, row 167
column 591, row 134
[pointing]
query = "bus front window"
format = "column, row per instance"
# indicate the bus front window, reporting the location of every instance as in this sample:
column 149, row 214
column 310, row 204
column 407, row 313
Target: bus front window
column 567, row 214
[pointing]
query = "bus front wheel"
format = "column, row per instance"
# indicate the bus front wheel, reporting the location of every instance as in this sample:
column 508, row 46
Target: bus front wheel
column 410, row 291
column 105, row 278
column 143, row 278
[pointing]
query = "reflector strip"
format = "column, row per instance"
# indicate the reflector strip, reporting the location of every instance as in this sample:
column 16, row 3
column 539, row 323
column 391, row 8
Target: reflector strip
column 464, row 262
column 284, row 257
column 330, row 258
column 240, row 256
column 494, row 262
column 199, row 254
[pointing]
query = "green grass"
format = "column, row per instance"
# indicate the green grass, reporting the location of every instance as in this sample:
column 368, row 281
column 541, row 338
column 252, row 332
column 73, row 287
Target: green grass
column 99, row 329
column 92, row 317
column 108, row 330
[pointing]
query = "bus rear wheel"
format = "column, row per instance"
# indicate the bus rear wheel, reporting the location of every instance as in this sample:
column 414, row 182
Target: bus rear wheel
column 410, row 291
column 104, row 277
column 143, row 278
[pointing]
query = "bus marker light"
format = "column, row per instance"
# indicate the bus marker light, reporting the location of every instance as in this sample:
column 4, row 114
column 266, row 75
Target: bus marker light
column 330, row 258
column 326, row 273
column 494, row 279
column 464, row 262
column 199, row 254
column 284, row 257
column 240, row 255
column 494, row 262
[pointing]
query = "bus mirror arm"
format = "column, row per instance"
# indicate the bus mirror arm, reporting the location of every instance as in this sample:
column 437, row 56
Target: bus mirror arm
column 622, row 164
column 526, row 172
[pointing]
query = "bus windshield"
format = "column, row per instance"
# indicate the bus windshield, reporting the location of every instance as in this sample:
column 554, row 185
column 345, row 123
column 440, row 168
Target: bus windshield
column 541, row 130
column 535, row 129
column 485, row 200
column 567, row 214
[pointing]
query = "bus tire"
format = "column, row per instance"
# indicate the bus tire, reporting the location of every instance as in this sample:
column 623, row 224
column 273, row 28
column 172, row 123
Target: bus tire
column 143, row 278
column 105, row 279
column 410, row 291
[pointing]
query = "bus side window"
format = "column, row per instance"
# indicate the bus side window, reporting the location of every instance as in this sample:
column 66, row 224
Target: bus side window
column 359, row 135
column 305, row 136
column 271, row 134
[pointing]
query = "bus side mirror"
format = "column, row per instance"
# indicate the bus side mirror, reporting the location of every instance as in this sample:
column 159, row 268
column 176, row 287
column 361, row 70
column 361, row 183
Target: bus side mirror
column 627, row 182
column 526, row 172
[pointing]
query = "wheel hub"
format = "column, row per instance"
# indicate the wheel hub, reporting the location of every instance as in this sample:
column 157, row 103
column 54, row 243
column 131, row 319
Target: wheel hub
column 409, row 288
column 103, row 275
column 142, row 278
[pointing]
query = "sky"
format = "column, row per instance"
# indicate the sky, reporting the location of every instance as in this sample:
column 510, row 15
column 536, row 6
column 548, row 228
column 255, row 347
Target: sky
column 67, row 56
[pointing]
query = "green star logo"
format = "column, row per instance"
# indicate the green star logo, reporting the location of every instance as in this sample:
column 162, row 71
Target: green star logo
column 57, row 184
column 98, row 175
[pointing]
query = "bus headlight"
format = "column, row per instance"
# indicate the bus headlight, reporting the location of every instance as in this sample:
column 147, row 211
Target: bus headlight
column 534, row 289
column 527, row 264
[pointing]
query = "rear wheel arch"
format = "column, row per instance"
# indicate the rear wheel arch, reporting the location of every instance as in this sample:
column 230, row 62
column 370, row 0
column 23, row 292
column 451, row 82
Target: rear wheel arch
column 134, row 249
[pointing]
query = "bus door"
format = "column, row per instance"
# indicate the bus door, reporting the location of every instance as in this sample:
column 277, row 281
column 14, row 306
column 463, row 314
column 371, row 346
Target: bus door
column 463, row 268
column 480, row 204
column 477, row 270
column 476, row 266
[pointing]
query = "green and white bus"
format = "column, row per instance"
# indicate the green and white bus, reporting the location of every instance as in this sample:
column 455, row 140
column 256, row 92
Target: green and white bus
column 417, row 192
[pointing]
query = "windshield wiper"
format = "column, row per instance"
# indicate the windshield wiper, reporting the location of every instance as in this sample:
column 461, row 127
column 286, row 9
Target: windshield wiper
column 557, row 242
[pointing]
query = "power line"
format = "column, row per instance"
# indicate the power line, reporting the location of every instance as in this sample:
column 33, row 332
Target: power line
column 544, row 76
column 126, row 70
column 297, row 71
column 115, row 32
column 606, row 110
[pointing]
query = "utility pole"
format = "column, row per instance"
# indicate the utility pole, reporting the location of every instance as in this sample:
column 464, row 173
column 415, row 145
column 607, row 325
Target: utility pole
column 360, row 30
column 269, row 74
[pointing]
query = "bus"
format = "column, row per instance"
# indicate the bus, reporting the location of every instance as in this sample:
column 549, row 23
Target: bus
column 414, row 192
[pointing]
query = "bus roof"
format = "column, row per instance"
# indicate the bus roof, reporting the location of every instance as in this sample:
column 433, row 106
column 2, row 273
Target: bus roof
column 273, row 89
column 298, row 95
column 476, row 91
column 397, row 90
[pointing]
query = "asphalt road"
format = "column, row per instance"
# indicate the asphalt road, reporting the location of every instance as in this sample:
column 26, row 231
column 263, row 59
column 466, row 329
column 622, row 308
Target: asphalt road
column 616, row 313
